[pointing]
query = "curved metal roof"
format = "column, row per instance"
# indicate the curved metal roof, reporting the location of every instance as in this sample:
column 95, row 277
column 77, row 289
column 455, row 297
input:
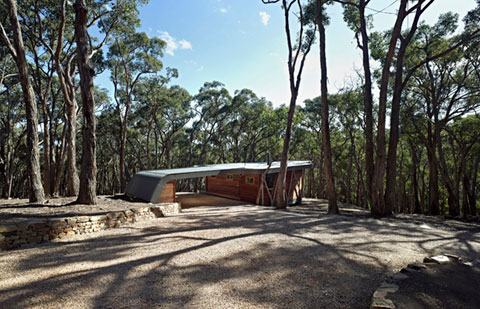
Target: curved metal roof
column 148, row 185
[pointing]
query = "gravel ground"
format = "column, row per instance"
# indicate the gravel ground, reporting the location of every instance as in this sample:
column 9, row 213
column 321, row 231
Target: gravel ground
column 228, row 257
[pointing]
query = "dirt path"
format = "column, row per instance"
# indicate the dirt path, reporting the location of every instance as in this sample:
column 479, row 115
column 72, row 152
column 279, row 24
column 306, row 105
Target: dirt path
column 225, row 257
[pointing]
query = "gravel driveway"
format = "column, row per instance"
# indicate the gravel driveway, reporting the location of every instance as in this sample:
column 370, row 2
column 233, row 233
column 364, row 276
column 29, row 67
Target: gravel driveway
column 226, row 257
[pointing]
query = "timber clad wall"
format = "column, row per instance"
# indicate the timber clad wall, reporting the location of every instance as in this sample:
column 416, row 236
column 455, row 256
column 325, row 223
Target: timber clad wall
column 224, row 185
column 246, row 187
column 249, row 186
column 168, row 193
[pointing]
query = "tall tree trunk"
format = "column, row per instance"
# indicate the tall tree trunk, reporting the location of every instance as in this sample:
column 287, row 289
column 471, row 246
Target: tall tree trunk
column 71, row 105
column 472, row 196
column 434, row 195
column 33, row 157
column 72, row 174
column 294, row 81
column 390, row 196
column 282, row 198
column 88, row 175
column 399, row 83
column 453, row 202
column 367, row 101
column 350, row 167
column 378, row 200
column 417, row 207
column 46, row 151
column 465, row 188
column 310, row 183
column 327, row 149
column 123, row 146
column 321, row 186
column 60, row 164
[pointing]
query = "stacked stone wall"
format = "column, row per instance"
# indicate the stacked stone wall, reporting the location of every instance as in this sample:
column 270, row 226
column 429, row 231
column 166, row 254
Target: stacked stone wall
column 38, row 231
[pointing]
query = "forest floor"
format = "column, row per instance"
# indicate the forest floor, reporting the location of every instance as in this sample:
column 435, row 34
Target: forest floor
column 227, row 256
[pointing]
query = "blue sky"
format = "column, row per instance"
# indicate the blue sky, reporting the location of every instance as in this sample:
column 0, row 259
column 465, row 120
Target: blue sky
column 242, row 44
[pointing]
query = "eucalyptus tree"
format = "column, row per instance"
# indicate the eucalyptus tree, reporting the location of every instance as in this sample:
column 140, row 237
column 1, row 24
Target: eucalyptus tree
column 175, row 114
column 443, row 87
column 327, row 148
column 12, row 132
column 346, row 106
column 358, row 21
column 17, row 50
column 112, row 17
column 307, row 145
column 131, row 56
column 153, row 97
column 313, row 122
column 107, row 132
column 43, row 76
column 251, row 127
column 298, row 49
column 162, row 112
column 465, row 143
column 212, row 107
column 49, row 27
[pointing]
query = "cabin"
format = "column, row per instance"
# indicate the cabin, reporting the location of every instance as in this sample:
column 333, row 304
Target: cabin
column 249, row 182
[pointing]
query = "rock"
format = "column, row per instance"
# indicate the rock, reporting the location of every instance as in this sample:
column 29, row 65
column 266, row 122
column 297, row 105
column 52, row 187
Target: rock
column 388, row 287
column 112, row 216
column 408, row 270
column 7, row 228
column 19, row 242
column 98, row 218
column 157, row 211
column 35, row 239
column 399, row 276
column 55, row 222
column 71, row 221
column 380, row 294
column 454, row 257
column 82, row 219
column 439, row 259
column 417, row 266
column 38, row 224
column 22, row 226
column 378, row 303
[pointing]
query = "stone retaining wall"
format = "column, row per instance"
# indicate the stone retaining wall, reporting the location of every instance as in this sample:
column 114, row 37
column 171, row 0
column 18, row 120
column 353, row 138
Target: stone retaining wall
column 37, row 231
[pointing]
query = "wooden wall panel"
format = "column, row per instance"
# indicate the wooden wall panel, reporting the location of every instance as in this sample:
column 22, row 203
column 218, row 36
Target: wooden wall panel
column 295, row 185
column 248, row 189
column 222, row 185
column 168, row 193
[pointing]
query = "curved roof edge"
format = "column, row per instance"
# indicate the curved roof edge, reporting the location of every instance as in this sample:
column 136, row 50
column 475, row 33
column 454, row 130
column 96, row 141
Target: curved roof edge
column 148, row 185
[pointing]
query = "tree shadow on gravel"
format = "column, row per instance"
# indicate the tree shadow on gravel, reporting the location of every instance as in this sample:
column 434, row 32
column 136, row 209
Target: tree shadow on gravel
column 224, row 257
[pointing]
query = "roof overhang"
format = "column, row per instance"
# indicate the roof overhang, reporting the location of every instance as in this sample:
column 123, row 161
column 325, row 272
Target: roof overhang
column 148, row 185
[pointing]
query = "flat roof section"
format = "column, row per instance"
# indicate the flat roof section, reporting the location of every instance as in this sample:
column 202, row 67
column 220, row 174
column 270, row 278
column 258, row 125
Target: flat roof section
column 148, row 185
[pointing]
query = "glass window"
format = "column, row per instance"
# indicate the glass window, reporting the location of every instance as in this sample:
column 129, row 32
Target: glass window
column 250, row 180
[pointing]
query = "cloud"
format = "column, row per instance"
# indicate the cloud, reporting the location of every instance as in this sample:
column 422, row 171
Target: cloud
column 272, row 54
column 223, row 10
column 172, row 43
column 194, row 64
column 184, row 44
column 265, row 17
